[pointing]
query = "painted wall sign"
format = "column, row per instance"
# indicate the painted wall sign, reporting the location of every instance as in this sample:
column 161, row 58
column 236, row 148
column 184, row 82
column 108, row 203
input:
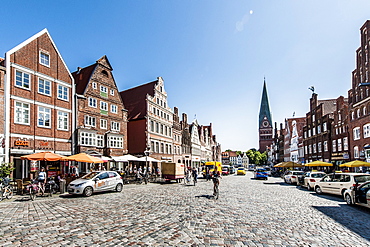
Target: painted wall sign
column 22, row 143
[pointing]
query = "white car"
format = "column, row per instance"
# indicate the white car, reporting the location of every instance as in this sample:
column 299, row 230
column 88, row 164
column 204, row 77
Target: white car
column 338, row 183
column 358, row 195
column 291, row 177
column 96, row 182
column 310, row 179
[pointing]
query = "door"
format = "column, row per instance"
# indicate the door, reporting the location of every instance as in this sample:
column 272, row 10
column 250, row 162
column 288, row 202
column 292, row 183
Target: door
column 102, row 184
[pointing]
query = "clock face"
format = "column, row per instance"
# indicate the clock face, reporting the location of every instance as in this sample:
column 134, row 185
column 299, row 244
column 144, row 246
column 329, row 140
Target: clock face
column 265, row 123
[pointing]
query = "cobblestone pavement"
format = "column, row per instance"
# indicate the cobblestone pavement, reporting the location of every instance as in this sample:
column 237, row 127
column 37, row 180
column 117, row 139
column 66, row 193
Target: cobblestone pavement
column 248, row 213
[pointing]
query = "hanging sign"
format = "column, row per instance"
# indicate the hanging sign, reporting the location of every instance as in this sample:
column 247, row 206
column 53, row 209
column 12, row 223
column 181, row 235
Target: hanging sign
column 34, row 166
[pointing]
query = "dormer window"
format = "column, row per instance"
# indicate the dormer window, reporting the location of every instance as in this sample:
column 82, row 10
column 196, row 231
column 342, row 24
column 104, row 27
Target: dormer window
column 44, row 58
column 105, row 73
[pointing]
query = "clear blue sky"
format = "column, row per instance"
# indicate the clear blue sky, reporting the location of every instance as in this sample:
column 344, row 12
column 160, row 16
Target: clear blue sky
column 212, row 54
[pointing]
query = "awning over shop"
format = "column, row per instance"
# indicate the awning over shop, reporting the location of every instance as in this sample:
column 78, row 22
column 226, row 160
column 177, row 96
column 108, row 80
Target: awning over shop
column 125, row 158
column 82, row 157
column 355, row 163
column 149, row 159
column 319, row 163
column 43, row 156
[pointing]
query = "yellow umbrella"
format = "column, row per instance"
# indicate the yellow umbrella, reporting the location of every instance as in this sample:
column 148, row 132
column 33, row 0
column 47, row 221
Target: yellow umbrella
column 82, row 157
column 319, row 163
column 279, row 165
column 291, row 164
column 355, row 163
column 43, row 156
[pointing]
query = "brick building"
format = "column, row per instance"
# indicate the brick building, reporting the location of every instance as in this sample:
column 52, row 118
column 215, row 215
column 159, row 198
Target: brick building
column 293, row 139
column 339, row 134
column 317, row 132
column 39, row 98
column 186, row 140
column 177, row 137
column 2, row 139
column 101, row 117
column 150, row 120
column 359, row 100
column 265, row 122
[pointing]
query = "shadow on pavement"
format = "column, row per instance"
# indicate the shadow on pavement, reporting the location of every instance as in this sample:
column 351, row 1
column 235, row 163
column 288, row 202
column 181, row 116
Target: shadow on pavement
column 206, row 196
column 353, row 220
column 329, row 197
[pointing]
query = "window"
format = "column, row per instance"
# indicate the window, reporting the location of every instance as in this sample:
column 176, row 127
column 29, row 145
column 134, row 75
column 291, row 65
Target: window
column 313, row 131
column 334, row 144
column 345, row 143
column 324, row 127
column 103, row 124
column 152, row 145
column 319, row 147
column 62, row 120
column 339, row 144
column 309, row 149
column 112, row 92
column 318, row 129
column 366, row 130
column 44, row 59
column 352, row 115
column 94, row 85
column 22, row 113
column 115, row 142
column 44, row 117
column 314, row 148
column 356, row 133
column 62, row 92
column 100, row 141
column 356, row 153
column 364, row 111
column 103, row 106
column 90, row 121
column 157, row 127
column 87, row 139
column 115, row 126
column 325, row 146
column 152, row 125
column 44, row 87
column 305, row 150
column 358, row 113
column 162, row 148
column 22, row 79
column 92, row 102
column 309, row 133
column 113, row 108
column 305, row 134
column 103, row 91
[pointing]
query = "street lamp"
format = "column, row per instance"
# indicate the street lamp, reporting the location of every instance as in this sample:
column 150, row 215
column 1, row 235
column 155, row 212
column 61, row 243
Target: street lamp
column 146, row 153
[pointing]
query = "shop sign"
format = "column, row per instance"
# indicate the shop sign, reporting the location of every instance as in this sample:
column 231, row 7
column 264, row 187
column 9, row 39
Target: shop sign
column 42, row 143
column 22, row 143
column 34, row 166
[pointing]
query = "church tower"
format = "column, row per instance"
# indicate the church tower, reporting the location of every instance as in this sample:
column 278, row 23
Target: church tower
column 265, row 122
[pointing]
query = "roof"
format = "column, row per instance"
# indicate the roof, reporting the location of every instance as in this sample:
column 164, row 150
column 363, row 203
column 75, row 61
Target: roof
column 82, row 77
column 134, row 99
column 264, row 108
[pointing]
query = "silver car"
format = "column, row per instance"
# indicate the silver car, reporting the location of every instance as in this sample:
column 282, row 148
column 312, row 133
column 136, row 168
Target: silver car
column 96, row 182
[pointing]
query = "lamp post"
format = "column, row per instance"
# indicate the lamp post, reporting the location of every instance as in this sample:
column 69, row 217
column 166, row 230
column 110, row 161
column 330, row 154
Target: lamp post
column 146, row 153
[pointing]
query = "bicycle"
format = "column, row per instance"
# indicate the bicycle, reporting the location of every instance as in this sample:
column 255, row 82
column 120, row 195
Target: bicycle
column 6, row 189
column 34, row 188
column 51, row 187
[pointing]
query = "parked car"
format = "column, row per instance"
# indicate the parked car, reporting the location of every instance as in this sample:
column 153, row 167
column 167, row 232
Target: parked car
column 225, row 171
column 260, row 173
column 291, row 177
column 338, row 183
column 241, row 171
column 310, row 179
column 95, row 182
column 358, row 195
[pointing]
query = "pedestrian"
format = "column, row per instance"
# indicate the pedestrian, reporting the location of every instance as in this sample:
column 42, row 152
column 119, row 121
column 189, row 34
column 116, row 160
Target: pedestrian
column 41, row 177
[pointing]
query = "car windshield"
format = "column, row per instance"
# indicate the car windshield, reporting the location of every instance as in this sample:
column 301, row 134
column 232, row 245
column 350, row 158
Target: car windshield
column 90, row 175
column 224, row 169
column 241, row 168
column 298, row 173
column 261, row 170
column 362, row 178
column 317, row 175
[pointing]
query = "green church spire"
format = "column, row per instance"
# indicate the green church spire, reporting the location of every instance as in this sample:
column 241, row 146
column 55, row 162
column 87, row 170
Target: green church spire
column 265, row 107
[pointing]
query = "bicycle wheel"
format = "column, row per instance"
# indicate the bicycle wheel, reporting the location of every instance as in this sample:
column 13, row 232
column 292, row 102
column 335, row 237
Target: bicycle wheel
column 1, row 195
column 32, row 194
column 9, row 193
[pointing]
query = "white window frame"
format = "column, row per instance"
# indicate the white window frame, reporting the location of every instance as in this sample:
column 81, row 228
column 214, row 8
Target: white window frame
column 63, row 92
column 334, row 145
column 103, row 91
column 45, row 82
column 90, row 121
column 100, row 141
column 115, row 141
column 319, row 147
column 114, row 109
column 339, row 145
column 63, row 120
column 356, row 133
column 87, row 139
column 111, row 92
column 318, row 129
column 314, row 148
column 103, row 106
column 103, row 124
column 22, row 113
column 94, row 85
column 366, row 130
column 93, row 102
column 324, row 127
column 23, row 79
column 326, row 146
column 44, row 113
column 44, row 58
column 345, row 143
column 115, row 126
column 356, row 153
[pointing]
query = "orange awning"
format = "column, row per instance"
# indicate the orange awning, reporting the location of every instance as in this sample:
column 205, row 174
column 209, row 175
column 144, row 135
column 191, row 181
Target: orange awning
column 82, row 157
column 43, row 156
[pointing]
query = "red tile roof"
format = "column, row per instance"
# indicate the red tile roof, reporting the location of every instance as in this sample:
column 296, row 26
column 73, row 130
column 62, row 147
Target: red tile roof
column 82, row 77
column 134, row 99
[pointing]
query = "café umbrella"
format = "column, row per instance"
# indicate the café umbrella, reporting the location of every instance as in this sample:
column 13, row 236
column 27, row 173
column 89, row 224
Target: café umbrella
column 43, row 156
column 291, row 164
column 319, row 163
column 279, row 165
column 355, row 163
column 83, row 157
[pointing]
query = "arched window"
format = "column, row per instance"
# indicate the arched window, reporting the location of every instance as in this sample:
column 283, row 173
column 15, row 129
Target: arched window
column 105, row 73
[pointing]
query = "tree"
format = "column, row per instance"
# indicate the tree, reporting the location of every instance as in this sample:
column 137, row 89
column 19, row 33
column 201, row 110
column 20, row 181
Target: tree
column 255, row 157
column 6, row 169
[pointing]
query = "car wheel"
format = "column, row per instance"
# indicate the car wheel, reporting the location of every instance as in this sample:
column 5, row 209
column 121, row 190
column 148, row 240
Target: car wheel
column 309, row 187
column 318, row 190
column 88, row 191
column 348, row 199
column 119, row 187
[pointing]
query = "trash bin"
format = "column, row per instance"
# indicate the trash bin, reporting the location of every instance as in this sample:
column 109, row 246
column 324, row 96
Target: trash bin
column 62, row 185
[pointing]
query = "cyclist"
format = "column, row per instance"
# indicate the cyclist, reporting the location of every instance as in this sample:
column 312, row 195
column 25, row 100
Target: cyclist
column 216, row 175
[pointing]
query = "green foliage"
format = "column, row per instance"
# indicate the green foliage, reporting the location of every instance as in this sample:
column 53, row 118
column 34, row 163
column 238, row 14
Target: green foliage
column 255, row 157
column 6, row 169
